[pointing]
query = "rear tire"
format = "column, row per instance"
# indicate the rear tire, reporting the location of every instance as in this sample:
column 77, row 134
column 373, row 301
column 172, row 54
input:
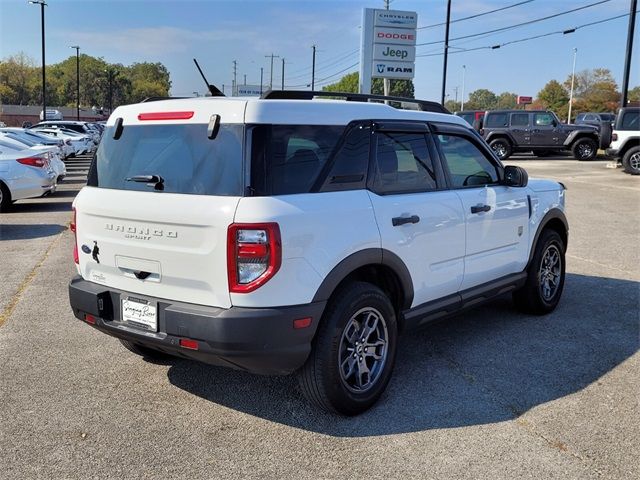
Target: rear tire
column 353, row 352
column 502, row 147
column 145, row 352
column 545, row 276
column 5, row 198
column 584, row 149
column 631, row 161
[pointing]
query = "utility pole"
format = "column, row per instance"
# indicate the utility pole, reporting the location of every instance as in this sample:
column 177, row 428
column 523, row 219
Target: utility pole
column 455, row 89
column 283, row 74
column 234, row 85
column 245, row 79
column 313, row 69
column 111, row 74
column 464, row 70
column 446, row 51
column 44, row 88
column 77, row 47
column 272, row 56
column 386, row 83
column 627, row 59
column 573, row 77
column 261, row 75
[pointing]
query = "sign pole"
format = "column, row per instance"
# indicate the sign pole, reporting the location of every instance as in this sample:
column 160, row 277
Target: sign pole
column 366, row 51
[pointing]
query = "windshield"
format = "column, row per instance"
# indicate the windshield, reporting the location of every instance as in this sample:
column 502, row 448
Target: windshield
column 182, row 155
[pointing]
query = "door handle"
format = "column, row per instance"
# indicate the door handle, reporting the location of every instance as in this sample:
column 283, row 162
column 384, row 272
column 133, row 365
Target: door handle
column 397, row 221
column 480, row 208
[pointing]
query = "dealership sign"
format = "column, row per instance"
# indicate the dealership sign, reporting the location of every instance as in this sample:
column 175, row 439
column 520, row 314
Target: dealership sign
column 249, row 90
column 524, row 100
column 387, row 48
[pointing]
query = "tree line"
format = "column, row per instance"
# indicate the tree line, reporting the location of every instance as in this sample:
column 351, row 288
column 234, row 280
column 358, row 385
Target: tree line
column 21, row 82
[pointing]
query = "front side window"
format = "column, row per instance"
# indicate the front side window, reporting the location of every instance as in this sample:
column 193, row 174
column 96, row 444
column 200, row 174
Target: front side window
column 467, row 165
column 543, row 119
column 519, row 119
column 287, row 159
column 403, row 164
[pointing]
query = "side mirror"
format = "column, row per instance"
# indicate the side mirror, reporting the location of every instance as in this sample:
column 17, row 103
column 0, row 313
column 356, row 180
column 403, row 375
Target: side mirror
column 515, row 176
column 554, row 122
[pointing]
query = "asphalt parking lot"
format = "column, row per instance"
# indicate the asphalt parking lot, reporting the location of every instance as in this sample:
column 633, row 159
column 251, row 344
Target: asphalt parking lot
column 491, row 394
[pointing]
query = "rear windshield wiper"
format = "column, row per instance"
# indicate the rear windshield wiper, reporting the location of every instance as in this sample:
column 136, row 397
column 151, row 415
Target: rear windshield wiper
column 155, row 181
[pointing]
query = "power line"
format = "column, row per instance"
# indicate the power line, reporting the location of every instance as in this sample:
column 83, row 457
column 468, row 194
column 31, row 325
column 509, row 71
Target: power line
column 324, row 68
column 511, row 42
column 511, row 27
column 325, row 78
column 477, row 15
column 323, row 65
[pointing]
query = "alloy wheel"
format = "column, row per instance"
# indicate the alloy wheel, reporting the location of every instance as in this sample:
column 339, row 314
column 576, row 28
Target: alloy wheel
column 500, row 149
column 585, row 150
column 364, row 346
column 550, row 272
column 634, row 161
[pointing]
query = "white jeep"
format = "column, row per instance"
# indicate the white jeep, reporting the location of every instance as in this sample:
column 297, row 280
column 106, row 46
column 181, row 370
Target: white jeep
column 295, row 234
column 625, row 140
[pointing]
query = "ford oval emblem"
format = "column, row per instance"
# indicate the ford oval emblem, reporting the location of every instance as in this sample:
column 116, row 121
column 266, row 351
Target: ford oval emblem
column 85, row 249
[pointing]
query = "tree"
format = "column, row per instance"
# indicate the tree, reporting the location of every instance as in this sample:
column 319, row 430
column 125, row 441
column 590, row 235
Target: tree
column 634, row 94
column 594, row 91
column 452, row 106
column 481, row 99
column 17, row 76
column 507, row 100
column 349, row 83
column 554, row 97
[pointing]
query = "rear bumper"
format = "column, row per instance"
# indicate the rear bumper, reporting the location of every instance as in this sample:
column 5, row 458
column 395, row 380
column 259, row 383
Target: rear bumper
column 258, row 340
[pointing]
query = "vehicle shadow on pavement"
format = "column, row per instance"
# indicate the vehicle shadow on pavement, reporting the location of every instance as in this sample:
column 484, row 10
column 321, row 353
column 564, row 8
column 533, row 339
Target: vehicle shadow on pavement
column 488, row 365
column 28, row 231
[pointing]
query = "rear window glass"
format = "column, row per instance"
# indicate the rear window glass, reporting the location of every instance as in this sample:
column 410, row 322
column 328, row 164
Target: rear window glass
column 519, row 119
column 287, row 159
column 495, row 120
column 182, row 155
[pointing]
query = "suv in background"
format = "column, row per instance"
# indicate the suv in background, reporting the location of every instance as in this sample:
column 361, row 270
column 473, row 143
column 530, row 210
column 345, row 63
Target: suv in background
column 595, row 119
column 472, row 117
column 282, row 234
column 625, row 139
column 538, row 131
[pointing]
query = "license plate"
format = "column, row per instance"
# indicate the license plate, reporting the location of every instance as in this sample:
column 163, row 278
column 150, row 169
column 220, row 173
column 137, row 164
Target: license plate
column 140, row 313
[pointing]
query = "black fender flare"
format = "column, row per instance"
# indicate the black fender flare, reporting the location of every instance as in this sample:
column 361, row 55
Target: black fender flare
column 368, row 256
column 553, row 214
column 580, row 134
column 493, row 135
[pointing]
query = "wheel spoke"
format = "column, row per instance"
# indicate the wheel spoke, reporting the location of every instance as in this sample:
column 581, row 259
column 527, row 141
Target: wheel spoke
column 363, row 377
column 375, row 350
column 349, row 366
column 369, row 325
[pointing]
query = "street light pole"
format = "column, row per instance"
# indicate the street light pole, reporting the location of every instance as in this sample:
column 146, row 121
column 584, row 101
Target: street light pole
column 42, row 4
column 313, row 69
column 464, row 70
column 446, row 52
column 77, row 47
column 573, row 77
column 261, row 76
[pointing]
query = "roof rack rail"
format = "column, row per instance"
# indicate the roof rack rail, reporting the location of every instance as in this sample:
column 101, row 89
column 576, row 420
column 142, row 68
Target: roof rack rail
column 157, row 99
column 422, row 105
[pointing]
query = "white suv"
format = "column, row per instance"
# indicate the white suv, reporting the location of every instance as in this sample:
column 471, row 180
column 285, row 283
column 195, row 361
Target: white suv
column 625, row 139
column 295, row 234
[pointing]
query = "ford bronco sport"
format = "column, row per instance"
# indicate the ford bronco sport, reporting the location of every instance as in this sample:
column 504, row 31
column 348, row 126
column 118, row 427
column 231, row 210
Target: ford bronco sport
column 295, row 234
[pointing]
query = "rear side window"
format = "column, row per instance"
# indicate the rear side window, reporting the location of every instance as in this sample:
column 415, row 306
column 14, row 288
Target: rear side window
column 403, row 164
column 519, row 119
column 542, row 119
column 495, row 120
column 182, row 155
column 631, row 120
column 287, row 159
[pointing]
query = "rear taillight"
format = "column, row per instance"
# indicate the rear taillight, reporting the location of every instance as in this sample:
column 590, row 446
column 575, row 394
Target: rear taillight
column 74, row 228
column 254, row 254
column 614, row 137
column 38, row 162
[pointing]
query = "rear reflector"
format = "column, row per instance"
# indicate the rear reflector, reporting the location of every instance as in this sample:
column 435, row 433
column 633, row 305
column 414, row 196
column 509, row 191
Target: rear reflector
column 190, row 344
column 302, row 322
column 89, row 319
column 165, row 116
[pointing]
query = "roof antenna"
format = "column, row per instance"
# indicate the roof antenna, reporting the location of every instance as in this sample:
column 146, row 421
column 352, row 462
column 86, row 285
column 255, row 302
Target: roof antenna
column 215, row 91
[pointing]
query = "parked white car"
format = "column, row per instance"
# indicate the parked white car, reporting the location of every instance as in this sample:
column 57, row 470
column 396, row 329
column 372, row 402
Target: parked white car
column 84, row 128
column 53, row 152
column 80, row 143
column 24, row 175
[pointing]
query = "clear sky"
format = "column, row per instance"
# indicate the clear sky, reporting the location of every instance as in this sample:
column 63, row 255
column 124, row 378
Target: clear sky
column 217, row 32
